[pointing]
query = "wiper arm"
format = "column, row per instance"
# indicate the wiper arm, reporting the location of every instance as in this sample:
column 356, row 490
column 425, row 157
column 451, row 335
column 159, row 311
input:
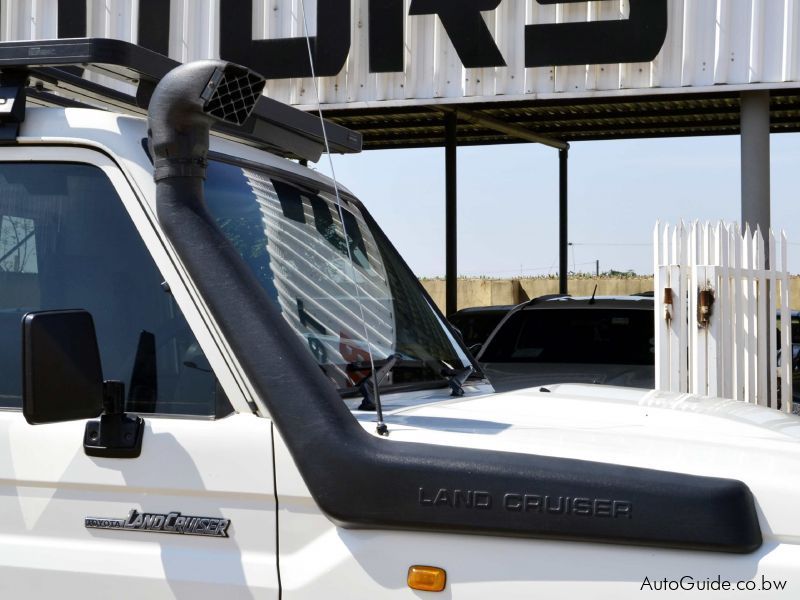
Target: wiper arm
column 369, row 388
column 456, row 378
column 367, row 385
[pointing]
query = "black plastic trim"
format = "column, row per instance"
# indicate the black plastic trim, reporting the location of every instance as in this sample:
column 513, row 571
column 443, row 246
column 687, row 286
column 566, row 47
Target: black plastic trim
column 114, row 436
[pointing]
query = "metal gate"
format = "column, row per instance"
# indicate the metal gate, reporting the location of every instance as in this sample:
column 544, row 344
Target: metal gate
column 719, row 304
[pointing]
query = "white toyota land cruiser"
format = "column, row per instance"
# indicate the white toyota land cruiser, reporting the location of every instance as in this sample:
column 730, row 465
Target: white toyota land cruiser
column 199, row 336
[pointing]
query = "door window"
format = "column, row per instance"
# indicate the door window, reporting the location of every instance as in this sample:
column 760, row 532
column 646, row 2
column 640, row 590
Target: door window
column 66, row 242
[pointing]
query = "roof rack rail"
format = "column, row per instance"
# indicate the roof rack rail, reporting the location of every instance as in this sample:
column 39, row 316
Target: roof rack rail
column 53, row 75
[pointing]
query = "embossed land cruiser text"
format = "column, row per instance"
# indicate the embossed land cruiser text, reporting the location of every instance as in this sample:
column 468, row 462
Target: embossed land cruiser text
column 173, row 522
column 527, row 503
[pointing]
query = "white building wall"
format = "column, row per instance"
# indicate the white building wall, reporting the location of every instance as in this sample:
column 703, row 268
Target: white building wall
column 709, row 43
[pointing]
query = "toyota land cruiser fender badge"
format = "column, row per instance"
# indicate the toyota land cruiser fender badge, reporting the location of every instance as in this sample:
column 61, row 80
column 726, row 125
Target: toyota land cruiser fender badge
column 173, row 522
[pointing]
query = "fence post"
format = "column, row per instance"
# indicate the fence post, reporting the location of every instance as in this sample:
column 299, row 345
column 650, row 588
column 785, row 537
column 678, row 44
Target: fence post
column 786, row 328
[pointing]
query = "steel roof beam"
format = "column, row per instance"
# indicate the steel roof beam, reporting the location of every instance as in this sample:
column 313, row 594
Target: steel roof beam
column 511, row 130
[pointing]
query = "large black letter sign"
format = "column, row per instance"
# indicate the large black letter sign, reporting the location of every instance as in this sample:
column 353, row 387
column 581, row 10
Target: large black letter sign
column 71, row 18
column 466, row 28
column 288, row 57
column 153, row 28
column 637, row 39
column 386, row 44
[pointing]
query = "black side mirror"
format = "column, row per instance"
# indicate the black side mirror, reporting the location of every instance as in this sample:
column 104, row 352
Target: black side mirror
column 63, row 381
column 62, row 375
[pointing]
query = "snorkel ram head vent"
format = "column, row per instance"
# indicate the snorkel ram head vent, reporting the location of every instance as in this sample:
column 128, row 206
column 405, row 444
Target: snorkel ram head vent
column 185, row 105
column 232, row 93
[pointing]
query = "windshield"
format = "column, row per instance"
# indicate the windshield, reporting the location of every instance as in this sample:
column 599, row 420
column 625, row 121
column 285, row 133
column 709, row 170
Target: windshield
column 291, row 237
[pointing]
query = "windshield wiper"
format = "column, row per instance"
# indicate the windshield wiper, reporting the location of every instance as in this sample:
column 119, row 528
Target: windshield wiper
column 456, row 378
column 370, row 389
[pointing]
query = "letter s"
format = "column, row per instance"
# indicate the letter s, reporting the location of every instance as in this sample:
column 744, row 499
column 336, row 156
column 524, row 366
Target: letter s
column 636, row 39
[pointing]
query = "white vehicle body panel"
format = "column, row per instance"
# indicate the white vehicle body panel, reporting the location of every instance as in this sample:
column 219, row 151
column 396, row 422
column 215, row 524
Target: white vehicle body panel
column 48, row 486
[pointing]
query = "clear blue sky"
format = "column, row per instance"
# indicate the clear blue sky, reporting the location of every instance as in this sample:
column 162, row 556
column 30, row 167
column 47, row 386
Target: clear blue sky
column 508, row 200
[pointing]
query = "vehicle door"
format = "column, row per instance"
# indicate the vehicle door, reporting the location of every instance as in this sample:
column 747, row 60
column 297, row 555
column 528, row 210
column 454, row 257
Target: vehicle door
column 73, row 234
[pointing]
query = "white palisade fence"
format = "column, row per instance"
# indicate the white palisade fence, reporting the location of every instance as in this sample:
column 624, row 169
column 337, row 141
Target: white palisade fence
column 717, row 307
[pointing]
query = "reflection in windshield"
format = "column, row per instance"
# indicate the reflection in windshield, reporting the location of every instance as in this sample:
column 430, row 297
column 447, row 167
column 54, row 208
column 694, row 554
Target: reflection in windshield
column 293, row 241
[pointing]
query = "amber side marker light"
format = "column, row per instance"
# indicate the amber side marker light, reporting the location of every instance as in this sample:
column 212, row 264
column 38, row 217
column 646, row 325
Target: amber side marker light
column 426, row 579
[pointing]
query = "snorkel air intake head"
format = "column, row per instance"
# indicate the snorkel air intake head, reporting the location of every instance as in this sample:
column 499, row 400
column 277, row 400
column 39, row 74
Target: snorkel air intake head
column 186, row 104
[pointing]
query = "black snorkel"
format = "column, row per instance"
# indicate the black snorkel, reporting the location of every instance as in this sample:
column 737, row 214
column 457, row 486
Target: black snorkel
column 361, row 480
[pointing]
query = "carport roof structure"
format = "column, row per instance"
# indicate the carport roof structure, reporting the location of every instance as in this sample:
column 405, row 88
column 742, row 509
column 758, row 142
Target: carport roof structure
column 752, row 112
column 567, row 120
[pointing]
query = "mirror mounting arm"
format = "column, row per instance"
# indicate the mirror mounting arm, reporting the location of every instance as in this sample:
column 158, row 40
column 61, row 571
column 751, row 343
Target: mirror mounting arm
column 116, row 434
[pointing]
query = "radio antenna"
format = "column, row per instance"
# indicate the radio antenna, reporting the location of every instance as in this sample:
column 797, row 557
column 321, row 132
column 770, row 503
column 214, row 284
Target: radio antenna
column 381, row 427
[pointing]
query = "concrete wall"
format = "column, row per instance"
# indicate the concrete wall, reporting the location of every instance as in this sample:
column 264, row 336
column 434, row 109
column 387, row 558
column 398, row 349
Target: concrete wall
column 487, row 292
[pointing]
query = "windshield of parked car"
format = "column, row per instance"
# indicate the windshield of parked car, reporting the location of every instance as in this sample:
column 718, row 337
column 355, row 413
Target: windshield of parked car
column 324, row 281
column 476, row 326
column 584, row 335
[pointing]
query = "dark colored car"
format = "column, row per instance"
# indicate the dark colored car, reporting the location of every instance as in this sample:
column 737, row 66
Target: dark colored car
column 795, row 316
column 605, row 340
column 477, row 323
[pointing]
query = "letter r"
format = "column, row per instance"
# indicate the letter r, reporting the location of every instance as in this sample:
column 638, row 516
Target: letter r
column 466, row 28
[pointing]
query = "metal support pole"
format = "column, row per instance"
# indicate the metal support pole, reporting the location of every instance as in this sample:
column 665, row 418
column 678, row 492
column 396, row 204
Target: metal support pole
column 755, row 160
column 563, row 236
column 451, row 221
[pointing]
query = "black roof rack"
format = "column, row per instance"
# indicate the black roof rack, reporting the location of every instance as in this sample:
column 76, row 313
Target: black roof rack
column 54, row 73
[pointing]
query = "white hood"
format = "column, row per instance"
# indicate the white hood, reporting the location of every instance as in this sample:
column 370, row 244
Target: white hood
column 658, row 430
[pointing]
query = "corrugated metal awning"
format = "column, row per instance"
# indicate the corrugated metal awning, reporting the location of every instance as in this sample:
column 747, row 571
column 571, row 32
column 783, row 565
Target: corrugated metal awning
column 570, row 120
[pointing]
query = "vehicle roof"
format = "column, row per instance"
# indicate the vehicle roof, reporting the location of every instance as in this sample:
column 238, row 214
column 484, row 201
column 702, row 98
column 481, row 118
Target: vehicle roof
column 482, row 309
column 124, row 137
column 586, row 302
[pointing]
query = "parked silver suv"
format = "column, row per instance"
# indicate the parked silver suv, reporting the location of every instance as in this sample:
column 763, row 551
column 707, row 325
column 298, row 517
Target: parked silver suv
column 604, row 340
